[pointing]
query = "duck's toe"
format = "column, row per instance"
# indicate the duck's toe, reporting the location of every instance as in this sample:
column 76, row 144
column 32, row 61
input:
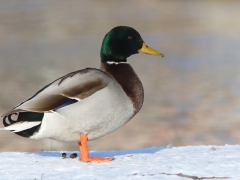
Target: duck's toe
column 95, row 159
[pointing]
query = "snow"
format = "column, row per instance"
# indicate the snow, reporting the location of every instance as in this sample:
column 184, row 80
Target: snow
column 189, row 162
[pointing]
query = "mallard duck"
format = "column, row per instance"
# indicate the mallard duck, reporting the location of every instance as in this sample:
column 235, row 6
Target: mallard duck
column 89, row 103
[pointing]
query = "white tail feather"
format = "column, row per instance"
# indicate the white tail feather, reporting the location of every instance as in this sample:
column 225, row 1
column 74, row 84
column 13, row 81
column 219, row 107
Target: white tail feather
column 21, row 126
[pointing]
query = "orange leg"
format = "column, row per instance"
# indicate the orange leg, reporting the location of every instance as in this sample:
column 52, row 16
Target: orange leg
column 85, row 154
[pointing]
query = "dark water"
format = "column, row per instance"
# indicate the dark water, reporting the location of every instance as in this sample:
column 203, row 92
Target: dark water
column 192, row 95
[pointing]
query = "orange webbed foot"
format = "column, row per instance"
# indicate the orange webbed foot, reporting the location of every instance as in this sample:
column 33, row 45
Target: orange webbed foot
column 85, row 154
column 95, row 159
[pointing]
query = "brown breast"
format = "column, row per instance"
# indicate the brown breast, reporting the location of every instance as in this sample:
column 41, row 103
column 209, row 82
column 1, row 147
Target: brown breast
column 124, row 74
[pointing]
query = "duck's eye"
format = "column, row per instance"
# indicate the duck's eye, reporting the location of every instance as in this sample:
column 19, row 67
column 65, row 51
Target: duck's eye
column 130, row 37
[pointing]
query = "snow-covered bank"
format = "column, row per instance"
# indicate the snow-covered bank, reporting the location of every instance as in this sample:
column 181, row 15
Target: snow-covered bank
column 189, row 162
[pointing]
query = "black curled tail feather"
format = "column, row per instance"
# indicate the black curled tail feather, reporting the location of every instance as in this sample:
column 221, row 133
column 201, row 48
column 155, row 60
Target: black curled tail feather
column 9, row 119
column 24, row 116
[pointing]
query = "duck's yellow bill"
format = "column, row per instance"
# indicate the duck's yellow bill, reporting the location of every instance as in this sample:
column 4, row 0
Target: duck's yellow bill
column 148, row 50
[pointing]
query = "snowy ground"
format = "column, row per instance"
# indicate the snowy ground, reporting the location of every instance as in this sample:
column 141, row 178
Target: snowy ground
column 189, row 162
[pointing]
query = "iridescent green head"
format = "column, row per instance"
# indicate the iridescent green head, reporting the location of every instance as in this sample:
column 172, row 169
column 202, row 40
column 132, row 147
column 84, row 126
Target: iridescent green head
column 122, row 42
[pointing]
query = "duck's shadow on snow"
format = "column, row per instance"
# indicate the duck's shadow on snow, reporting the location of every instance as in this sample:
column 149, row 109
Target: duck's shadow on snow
column 150, row 150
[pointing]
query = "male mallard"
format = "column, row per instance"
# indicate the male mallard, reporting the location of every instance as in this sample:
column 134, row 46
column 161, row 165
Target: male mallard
column 87, row 103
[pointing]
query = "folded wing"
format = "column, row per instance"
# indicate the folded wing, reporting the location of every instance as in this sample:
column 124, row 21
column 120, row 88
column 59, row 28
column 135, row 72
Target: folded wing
column 66, row 90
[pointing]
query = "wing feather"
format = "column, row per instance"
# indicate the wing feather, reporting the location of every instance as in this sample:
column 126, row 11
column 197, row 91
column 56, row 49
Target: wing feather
column 76, row 85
